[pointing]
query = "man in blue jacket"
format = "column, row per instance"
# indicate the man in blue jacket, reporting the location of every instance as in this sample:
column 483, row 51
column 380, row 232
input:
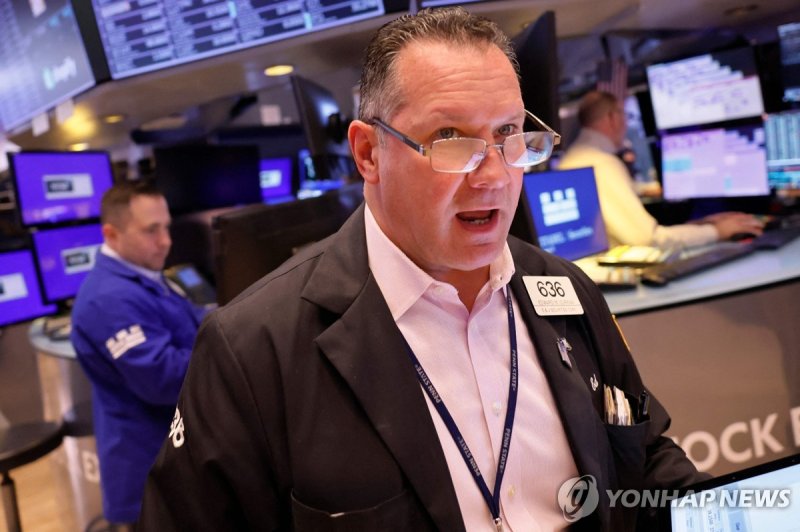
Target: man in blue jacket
column 133, row 334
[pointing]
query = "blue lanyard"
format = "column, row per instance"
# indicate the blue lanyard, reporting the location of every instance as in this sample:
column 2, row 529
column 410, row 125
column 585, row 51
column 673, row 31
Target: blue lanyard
column 492, row 498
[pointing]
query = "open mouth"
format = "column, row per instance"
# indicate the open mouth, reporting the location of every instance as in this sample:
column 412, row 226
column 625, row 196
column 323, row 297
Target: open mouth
column 477, row 217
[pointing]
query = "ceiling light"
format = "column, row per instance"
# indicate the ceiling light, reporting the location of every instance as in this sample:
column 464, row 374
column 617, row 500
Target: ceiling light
column 79, row 146
column 114, row 119
column 278, row 70
column 740, row 11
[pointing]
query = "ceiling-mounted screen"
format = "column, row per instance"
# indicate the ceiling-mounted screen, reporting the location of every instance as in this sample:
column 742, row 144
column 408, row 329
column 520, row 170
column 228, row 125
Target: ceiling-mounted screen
column 140, row 36
column 789, row 35
column 43, row 61
column 705, row 89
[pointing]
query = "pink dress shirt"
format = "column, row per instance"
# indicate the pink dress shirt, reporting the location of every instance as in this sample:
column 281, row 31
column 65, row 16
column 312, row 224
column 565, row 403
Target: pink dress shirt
column 467, row 357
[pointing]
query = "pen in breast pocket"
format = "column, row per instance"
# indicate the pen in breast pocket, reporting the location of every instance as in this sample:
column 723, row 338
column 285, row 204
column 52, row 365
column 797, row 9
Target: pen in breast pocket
column 644, row 405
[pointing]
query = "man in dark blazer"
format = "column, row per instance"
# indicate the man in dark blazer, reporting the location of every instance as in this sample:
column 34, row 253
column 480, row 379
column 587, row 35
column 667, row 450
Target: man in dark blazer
column 312, row 403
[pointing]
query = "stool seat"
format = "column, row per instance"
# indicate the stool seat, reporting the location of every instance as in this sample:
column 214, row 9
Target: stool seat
column 20, row 445
column 24, row 443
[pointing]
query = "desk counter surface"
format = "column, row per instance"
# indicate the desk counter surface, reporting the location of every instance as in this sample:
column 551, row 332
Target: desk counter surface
column 759, row 269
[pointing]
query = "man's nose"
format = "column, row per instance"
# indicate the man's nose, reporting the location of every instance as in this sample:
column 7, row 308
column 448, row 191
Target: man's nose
column 492, row 172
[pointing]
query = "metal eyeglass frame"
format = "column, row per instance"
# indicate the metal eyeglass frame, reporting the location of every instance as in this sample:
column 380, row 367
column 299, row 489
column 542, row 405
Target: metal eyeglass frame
column 426, row 152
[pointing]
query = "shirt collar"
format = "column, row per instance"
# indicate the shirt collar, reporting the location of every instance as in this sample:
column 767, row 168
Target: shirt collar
column 153, row 275
column 590, row 137
column 402, row 282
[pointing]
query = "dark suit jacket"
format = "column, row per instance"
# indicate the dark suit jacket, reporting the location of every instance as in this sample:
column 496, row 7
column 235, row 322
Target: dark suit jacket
column 301, row 409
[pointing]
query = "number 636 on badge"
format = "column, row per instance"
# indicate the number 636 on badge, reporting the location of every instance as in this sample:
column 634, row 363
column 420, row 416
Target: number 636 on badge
column 552, row 295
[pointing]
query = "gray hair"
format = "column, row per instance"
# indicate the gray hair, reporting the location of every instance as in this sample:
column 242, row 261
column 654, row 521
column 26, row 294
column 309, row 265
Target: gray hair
column 380, row 87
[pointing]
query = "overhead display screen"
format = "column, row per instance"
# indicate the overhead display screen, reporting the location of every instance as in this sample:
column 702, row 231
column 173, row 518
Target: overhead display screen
column 144, row 35
column 704, row 89
column 42, row 59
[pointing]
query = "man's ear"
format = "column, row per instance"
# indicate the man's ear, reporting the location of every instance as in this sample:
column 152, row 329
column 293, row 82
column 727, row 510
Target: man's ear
column 110, row 233
column 364, row 145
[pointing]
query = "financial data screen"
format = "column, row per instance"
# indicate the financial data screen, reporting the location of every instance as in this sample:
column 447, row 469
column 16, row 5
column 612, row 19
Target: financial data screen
column 143, row 35
column 60, row 186
column 566, row 212
column 20, row 298
column 704, row 89
column 783, row 150
column 65, row 256
column 789, row 35
column 714, row 163
column 765, row 503
column 42, row 59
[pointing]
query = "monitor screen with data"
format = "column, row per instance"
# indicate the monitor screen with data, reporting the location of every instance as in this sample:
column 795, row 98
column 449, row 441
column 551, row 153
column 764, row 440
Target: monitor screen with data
column 789, row 35
column 65, row 256
column 714, row 163
column 704, row 89
column 763, row 498
column 565, row 211
column 143, row 36
column 20, row 298
column 54, row 187
column 783, row 150
column 43, row 61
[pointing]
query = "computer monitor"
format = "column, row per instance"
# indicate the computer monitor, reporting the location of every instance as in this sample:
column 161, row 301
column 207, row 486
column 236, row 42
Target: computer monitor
column 708, row 88
column 325, row 128
column 783, row 151
column 249, row 243
column 639, row 143
column 762, row 498
column 44, row 59
column 714, row 163
column 54, row 187
column 197, row 177
column 275, row 178
column 789, row 36
column 537, row 54
column 65, row 255
column 563, row 208
column 20, row 297
column 141, row 37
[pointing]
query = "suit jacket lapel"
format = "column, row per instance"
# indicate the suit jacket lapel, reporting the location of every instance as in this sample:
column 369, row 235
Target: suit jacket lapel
column 584, row 431
column 366, row 348
column 571, row 396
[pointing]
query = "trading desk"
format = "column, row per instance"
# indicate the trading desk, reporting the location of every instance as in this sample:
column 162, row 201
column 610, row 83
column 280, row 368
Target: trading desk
column 721, row 350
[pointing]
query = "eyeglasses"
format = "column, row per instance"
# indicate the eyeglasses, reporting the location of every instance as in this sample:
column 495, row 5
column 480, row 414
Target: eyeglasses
column 463, row 154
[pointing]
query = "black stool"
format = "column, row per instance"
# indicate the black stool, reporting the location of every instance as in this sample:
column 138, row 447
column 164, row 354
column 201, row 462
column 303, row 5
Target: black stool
column 20, row 445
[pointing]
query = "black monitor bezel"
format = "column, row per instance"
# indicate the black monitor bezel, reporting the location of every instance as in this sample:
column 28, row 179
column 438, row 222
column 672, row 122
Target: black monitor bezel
column 173, row 185
column 274, row 225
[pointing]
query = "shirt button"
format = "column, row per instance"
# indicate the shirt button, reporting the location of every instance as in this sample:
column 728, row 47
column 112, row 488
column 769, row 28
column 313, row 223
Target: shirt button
column 497, row 408
column 512, row 491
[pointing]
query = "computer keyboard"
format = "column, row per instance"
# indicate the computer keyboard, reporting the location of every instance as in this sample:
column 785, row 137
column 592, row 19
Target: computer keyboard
column 777, row 238
column 663, row 274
